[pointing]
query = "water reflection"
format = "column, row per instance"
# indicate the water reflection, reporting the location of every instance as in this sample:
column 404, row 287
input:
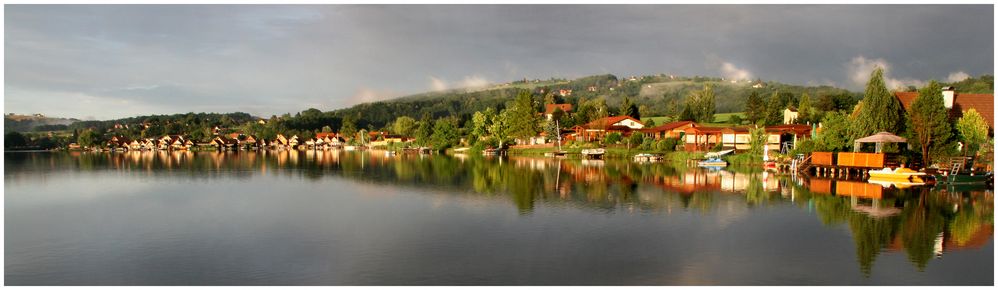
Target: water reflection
column 923, row 223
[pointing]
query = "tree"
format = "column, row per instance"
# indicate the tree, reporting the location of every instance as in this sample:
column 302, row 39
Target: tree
column 755, row 108
column 327, row 129
column 700, row 106
column 348, row 129
column 480, row 123
column 635, row 139
column 404, row 125
column 423, row 132
column 928, row 121
column 973, row 130
column 499, row 129
column 14, row 140
column 835, row 133
column 774, row 110
column 523, row 118
column 88, row 138
column 881, row 111
column 628, row 108
column 804, row 109
column 757, row 140
column 445, row 133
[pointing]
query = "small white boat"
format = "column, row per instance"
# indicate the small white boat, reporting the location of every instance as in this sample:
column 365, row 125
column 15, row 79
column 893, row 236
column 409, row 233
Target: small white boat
column 389, row 153
column 646, row 157
column 712, row 162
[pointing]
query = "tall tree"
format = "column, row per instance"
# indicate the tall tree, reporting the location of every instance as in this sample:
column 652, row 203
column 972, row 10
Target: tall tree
column 835, row 132
column 499, row 128
column 774, row 109
column 523, row 118
column 881, row 111
column 628, row 108
column 928, row 121
column 804, row 109
column 755, row 108
column 973, row 130
column 700, row 106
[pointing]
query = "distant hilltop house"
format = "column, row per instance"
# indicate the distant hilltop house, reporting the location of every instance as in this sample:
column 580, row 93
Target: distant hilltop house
column 957, row 103
column 759, row 85
column 564, row 92
column 549, row 109
column 591, row 88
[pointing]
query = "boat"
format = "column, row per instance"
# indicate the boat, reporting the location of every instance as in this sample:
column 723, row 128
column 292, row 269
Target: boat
column 894, row 183
column 646, row 157
column 898, row 175
column 712, row 162
column 596, row 153
column 959, row 174
column 389, row 153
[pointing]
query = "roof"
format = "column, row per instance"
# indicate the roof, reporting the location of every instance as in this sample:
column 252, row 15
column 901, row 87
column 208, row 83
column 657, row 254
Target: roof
column 736, row 129
column 670, row 126
column 711, row 130
column 549, row 108
column 882, row 137
column 983, row 103
column 324, row 135
column 608, row 121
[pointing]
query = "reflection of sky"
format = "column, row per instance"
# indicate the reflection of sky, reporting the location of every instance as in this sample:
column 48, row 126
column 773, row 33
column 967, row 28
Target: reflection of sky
column 169, row 227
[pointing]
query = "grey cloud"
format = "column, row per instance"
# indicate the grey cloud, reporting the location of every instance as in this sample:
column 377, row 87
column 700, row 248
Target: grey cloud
column 271, row 59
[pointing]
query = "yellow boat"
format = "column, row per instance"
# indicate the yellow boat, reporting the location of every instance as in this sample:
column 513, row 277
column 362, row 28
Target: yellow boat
column 901, row 174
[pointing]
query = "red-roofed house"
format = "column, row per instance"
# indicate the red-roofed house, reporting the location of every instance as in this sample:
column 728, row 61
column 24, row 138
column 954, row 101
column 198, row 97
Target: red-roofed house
column 550, row 108
column 598, row 129
column 668, row 130
column 958, row 103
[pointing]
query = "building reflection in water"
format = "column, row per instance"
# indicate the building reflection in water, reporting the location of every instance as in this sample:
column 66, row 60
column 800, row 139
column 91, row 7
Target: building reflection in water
column 923, row 223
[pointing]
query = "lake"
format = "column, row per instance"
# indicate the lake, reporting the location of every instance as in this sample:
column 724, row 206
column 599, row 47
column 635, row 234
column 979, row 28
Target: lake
column 361, row 218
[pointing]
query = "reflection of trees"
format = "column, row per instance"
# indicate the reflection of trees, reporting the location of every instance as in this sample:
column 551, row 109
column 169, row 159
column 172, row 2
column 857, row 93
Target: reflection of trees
column 964, row 219
column 925, row 218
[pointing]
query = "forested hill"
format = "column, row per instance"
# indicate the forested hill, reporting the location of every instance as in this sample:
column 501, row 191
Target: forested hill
column 654, row 96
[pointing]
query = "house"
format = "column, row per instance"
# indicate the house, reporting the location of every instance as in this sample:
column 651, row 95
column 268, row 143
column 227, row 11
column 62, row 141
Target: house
column 171, row 142
column 957, row 103
column 118, row 142
column 702, row 138
column 790, row 115
column 598, row 129
column 738, row 138
column 564, row 92
column 224, row 143
column 778, row 137
column 135, row 145
column 759, row 85
column 549, row 109
column 591, row 88
column 668, row 130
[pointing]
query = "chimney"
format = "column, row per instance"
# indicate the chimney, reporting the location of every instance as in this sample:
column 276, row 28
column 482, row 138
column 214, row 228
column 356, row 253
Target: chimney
column 948, row 94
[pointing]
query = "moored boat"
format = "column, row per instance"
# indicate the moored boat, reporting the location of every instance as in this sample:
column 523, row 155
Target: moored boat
column 646, row 157
column 712, row 162
column 899, row 174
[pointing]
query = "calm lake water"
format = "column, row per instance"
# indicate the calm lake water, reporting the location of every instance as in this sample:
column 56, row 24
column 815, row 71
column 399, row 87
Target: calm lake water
column 360, row 218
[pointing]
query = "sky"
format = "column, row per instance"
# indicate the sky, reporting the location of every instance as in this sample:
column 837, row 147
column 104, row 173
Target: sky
column 113, row 61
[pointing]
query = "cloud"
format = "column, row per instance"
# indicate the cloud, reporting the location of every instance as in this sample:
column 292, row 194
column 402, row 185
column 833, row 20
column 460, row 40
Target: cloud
column 437, row 84
column 860, row 68
column 474, row 82
column 731, row 72
column 365, row 95
column 957, row 76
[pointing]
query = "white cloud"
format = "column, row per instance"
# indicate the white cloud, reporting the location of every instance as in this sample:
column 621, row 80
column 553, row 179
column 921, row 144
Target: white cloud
column 957, row 76
column 365, row 95
column 437, row 84
column 474, row 82
column 731, row 72
column 860, row 68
